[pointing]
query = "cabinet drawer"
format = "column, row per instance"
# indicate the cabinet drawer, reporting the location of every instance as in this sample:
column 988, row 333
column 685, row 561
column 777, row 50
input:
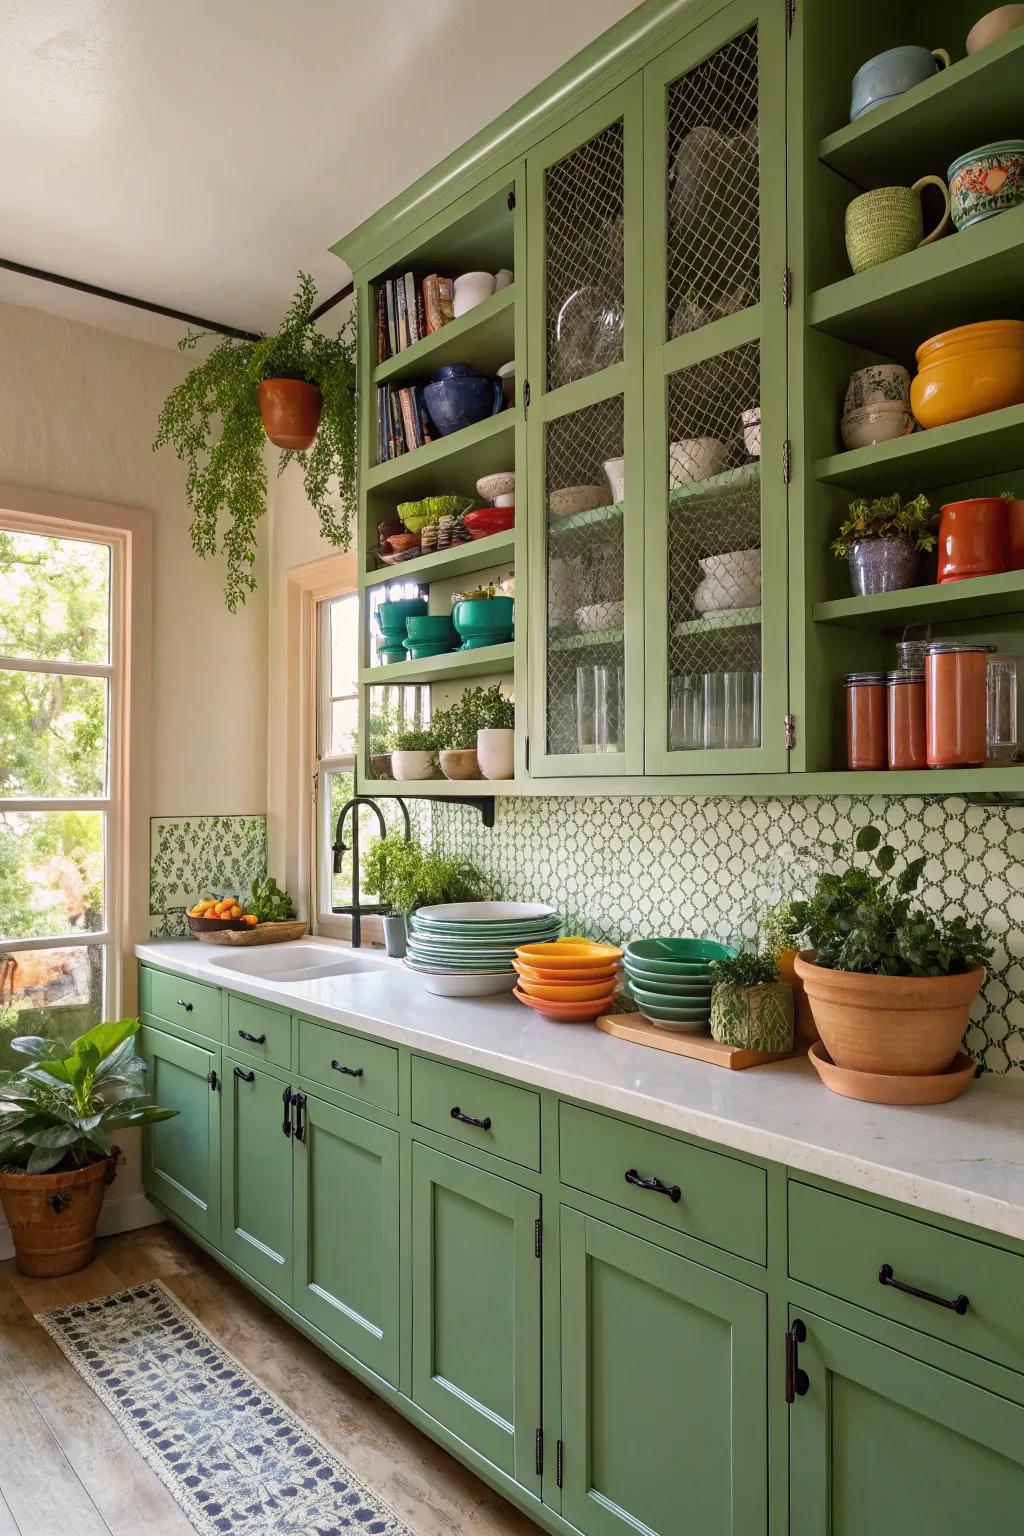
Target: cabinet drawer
column 362, row 1069
column 259, row 1031
column 510, row 1115
column 181, row 1001
column 720, row 1200
column 840, row 1245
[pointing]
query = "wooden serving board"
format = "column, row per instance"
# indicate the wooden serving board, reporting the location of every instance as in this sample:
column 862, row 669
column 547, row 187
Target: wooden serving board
column 633, row 1026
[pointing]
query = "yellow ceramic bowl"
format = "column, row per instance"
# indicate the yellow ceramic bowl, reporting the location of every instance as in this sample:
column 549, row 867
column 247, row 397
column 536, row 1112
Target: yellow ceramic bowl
column 578, row 976
column 569, row 955
column 968, row 372
column 567, row 991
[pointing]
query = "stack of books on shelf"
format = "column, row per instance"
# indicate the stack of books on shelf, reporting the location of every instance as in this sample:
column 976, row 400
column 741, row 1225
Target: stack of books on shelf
column 402, row 420
column 408, row 310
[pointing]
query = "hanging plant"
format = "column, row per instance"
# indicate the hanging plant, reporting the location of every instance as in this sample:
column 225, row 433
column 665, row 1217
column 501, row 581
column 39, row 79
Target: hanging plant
column 297, row 387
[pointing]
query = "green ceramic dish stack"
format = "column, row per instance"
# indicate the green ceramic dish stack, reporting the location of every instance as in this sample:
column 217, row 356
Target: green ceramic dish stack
column 670, row 980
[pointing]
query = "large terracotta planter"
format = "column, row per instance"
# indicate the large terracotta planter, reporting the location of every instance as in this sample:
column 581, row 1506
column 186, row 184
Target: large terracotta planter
column 902, row 1025
column 53, row 1216
column 291, row 412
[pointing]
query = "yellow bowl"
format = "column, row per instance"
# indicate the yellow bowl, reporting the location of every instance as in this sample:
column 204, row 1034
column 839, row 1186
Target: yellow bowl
column 579, row 975
column 968, row 372
column 567, row 991
column 569, row 955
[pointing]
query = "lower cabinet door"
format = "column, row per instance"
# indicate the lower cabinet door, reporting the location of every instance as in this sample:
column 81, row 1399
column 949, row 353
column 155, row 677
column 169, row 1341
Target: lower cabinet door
column 257, row 1175
column 476, row 1338
column 181, row 1157
column 663, row 1390
column 346, row 1233
column 881, row 1442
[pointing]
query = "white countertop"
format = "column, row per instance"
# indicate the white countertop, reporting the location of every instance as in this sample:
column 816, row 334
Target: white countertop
column 964, row 1160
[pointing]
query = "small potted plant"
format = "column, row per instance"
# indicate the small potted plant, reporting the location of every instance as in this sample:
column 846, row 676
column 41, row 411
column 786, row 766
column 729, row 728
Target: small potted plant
column 57, row 1114
column 890, row 984
column 456, row 729
column 495, row 736
column 383, row 724
column 414, row 754
column 781, row 933
column 750, row 1006
column 882, row 540
column 405, row 876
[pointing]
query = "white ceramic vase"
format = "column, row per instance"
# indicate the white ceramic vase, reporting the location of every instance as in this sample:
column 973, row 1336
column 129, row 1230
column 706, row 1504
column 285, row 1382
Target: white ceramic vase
column 470, row 290
column 412, row 765
column 496, row 753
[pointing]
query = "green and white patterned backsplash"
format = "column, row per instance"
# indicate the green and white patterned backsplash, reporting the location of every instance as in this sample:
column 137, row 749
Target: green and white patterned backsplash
column 632, row 868
column 191, row 854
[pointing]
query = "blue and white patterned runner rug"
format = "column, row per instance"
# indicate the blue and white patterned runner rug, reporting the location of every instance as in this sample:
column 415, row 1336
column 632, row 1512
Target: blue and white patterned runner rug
column 235, row 1458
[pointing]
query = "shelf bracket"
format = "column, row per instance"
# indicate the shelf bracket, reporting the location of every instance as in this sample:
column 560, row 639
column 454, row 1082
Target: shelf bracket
column 482, row 803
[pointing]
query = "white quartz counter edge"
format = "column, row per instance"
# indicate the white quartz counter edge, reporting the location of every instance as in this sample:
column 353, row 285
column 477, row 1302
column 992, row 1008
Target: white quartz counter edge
column 963, row 1160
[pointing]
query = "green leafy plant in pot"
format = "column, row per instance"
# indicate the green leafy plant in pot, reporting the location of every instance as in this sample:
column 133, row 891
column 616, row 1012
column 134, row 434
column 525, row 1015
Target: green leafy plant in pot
column 495, row 734
column 750, row 1006
column 890, row 984
column 414, row 754
column 883, row 540
column 296, row 387
column 457, row 727
column 405, row 875
column 57, row 1115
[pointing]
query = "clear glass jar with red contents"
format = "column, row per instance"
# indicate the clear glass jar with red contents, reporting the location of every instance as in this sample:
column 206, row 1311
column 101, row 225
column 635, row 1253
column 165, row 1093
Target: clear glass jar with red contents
column 955, row 703
column 865, row 720
column 906, row 719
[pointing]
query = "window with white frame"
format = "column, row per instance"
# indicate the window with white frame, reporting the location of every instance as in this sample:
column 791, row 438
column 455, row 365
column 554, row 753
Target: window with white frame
column 61, row 616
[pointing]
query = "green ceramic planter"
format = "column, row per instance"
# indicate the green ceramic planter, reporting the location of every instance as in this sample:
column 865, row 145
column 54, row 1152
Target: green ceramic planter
column 391, row 617
column 484, row 620
column 430, row 627
column 754, row 1018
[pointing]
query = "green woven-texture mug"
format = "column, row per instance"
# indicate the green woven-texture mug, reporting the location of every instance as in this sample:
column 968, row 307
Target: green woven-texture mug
column 889, row 222
column 754, row 1018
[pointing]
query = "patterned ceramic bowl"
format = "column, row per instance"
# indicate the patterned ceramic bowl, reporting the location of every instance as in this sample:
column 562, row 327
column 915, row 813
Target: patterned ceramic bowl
column 986, row 181
column 878, row 384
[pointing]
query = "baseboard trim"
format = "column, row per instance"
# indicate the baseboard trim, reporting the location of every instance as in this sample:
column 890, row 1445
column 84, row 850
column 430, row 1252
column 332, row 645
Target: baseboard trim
column 118, row 1215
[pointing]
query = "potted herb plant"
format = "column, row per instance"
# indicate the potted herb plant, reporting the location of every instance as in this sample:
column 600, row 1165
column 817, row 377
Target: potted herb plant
column 495, row 736
column 882, row 540
column 296, row 386
column 750, row 1006
column 890, row 984
column 57, row 1114
column 414, row 754
column 456, row 729
column 405, row 876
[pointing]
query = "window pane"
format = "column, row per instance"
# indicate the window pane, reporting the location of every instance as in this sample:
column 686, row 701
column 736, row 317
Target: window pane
column 53, row 992
column 54, row 598
column 344, row 720
column 51, row 873
column 53, row 735
column 340, row 789
column 344, row 645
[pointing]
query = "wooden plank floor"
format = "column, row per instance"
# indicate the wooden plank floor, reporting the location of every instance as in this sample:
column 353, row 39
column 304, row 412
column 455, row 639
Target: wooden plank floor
column 66, row 1469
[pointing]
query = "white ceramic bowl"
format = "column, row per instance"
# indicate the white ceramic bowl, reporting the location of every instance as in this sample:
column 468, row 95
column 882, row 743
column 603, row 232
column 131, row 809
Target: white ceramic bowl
column 752, row 431
column 615, row 470
column 464, row 983
column 599, row 616
column 875, row 424
column 502, row 483
column 503, row 278
column 572, row 499
column 732, row 580
column 470, row 290
column 695, row 458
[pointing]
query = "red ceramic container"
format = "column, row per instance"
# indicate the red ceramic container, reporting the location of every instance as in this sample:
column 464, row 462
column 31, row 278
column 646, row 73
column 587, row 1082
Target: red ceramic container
column 1015, row 534
column 488, row 520
column 973, row 538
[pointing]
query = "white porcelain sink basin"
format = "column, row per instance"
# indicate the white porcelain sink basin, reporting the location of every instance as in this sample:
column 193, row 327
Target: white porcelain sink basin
column 287, row 964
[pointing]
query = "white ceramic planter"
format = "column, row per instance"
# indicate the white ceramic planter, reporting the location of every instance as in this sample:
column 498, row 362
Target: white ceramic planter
column 412, row 765
column 470, row 290
column 495, row 751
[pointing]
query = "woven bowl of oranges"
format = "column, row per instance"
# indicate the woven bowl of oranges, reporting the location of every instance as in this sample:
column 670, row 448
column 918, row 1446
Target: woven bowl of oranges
column 223, row 914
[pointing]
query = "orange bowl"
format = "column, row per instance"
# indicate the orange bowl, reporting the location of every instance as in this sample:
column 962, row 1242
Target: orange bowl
column 579, row 974
column 564, row 1013
column 569, row 955
column 969, row 371
column 569, row 991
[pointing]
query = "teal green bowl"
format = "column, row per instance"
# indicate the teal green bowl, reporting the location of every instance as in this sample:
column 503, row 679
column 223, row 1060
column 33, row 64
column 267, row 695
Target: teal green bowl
column 424, row 650
column 650, row 1003
column 391, row 617
column 674, row 957
column 492, row 617
column 430, row 627
column 695, row 988
column 391, row 653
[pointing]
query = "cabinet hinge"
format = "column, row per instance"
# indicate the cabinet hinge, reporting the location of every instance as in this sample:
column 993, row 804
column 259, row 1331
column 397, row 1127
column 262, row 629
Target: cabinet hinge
column 213, row 1080
column 790, row 16
column 511, row 201
column 538, row 1460
column 538, row 1240
column 787, row 461
column 558, row 1463
column 787, row 287
column 790, row 732
column 526, row 399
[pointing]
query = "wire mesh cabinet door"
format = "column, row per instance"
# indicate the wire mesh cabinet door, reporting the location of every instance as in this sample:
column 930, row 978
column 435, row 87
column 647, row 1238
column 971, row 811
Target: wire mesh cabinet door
column 585, row 442
column 715, row 398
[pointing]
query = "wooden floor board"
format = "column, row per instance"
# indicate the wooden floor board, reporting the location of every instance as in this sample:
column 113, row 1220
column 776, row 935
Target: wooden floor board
column 40, row 1487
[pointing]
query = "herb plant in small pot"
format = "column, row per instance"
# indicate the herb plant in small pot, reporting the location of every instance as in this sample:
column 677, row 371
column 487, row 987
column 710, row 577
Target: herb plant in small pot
column 883, row 541
column 405, row 876
column 496, row 734
column 57, row 1114
column 890, row 984
column 750, row 1006
column 456, row 729
column 414, row 755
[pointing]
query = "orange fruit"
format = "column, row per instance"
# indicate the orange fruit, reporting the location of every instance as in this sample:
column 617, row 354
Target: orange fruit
column 251, row 919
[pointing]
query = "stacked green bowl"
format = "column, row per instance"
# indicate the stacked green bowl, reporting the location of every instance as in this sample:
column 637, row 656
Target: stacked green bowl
column 451, row 944
column 670, row 980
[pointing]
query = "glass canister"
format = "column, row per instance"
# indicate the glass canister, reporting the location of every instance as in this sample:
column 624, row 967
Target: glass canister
column 955, row 703
column 865, row 720
column 1005, row 675
column 906, row 719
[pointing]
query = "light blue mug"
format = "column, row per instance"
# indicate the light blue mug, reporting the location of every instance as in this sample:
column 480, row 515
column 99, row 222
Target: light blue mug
column 891, row 73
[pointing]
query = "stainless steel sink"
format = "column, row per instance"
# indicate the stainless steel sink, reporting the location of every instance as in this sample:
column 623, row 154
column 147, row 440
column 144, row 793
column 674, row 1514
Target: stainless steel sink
column 289, row 964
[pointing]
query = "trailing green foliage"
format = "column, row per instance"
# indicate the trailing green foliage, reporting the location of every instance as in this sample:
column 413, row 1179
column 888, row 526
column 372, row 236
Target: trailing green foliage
column 406, row 876
column 887, row 518
column 479, row 709
column 749, row 968
column 227, row 473
column 62, row 1110
column 864, row 920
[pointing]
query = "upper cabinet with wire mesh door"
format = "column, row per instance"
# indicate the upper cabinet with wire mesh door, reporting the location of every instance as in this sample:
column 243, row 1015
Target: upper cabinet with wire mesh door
column 715, row 404
column 584, row 442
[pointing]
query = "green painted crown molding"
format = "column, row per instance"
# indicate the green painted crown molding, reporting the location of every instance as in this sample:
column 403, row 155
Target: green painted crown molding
column 596, row 69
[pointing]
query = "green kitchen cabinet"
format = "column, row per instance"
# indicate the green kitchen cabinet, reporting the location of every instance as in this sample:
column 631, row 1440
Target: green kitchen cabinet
column 664, row 1420
column 346, row 1232
column 476, row 1309
column 181, row 1156
column 256, row 1170
column 879, row 1441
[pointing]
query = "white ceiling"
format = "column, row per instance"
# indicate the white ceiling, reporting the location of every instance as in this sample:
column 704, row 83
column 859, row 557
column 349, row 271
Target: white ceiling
column 199, row 152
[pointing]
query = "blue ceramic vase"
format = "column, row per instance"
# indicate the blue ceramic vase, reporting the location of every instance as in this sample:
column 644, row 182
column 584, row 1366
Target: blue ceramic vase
column 458, row 395
column 891, row 73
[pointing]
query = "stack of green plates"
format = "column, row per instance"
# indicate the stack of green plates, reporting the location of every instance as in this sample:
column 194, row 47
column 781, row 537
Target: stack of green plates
column 477, row 937
column 670, row 981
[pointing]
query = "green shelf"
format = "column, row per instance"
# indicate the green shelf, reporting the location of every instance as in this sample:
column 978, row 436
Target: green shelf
column 964, row 450
column 478, row 555
column 592, row 518
column 892, row 308
column 747, row 476
column 736, row 618
column 977, row 598
column 480, row 662
column 482, row 449
column 483, row 337
column 976, row 101
column 586, row 642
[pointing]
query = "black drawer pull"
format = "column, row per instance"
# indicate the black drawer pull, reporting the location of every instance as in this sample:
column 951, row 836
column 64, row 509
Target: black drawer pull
column 673, row 1191
column 243, row 1034
column 348, row 1071
column 959, row 1304
column 797, row 1380
column 246, row 1077
column 286, row 1099
column 299, row 1106
column 182, row 1004
column 484, row 1124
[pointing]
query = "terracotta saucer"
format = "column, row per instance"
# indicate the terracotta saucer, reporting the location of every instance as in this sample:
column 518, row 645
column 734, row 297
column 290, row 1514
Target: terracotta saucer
column 884, row 1088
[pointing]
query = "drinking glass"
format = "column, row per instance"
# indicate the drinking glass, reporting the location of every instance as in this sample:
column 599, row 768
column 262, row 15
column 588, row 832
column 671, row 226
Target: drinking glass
column 742, row 709
column 714, row 710
column 608, row 710
column 586, row 715
column 1005, row 683
column 686, row 713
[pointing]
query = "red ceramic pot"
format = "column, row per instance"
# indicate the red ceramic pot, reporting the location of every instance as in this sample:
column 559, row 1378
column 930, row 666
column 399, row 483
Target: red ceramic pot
column 973, row 538
column 291, row 412
column 1015, row 534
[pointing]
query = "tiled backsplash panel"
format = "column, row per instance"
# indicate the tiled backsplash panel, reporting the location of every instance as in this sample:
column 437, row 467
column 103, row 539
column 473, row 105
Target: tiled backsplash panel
column 190, row 854
column 631, row 868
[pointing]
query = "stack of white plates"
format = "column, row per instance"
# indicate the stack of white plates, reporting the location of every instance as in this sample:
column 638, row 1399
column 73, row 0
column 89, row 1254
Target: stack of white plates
column 466, row 948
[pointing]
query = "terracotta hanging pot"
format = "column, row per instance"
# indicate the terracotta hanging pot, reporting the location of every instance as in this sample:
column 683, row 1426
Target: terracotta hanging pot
column 53, row 1216
column 291, row 412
